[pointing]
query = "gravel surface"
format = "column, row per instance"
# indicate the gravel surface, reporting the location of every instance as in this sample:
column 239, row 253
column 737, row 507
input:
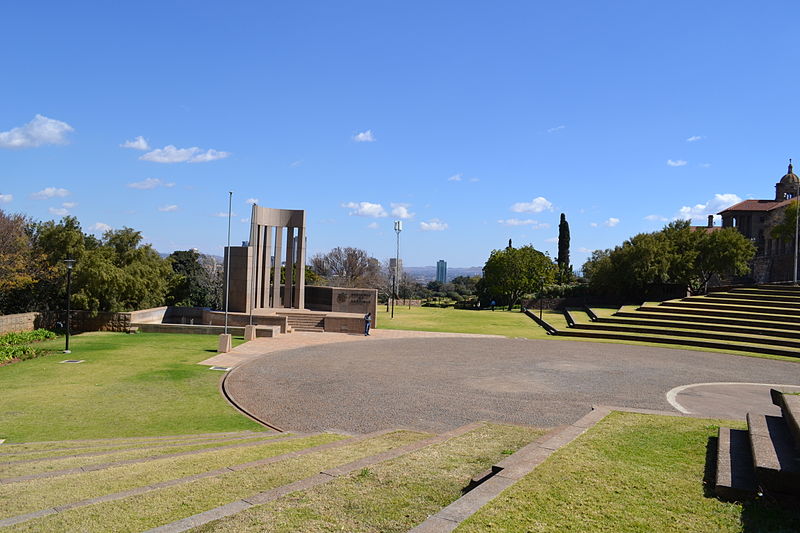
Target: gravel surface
column 436, row 384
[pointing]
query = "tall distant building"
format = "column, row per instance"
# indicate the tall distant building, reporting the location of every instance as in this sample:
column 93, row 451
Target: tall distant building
column 441, row 271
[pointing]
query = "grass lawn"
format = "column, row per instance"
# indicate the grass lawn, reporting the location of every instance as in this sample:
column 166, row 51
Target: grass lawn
column 630, row 473
column 130, row 385
column 507, row 323
column 515, row 324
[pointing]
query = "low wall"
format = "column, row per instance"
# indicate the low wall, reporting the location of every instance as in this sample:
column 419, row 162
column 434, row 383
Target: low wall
column 20, row 322
column 343, row 300
column 217, row 318
column 344, row 324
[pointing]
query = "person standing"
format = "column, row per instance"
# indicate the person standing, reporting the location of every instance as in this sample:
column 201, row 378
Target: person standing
column 367, row 322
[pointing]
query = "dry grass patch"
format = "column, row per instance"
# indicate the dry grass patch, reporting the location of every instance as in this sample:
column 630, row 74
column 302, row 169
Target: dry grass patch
column 390, row 496
column 19, row 468
column 138, row 513
column 28, row 496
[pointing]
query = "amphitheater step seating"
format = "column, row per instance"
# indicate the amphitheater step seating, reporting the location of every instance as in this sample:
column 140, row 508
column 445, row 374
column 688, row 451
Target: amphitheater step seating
column 765, row 458
column 755, row 319
column 214, row 481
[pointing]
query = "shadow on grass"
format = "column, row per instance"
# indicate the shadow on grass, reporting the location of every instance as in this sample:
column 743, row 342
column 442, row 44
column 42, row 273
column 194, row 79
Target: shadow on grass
column 710, row 471
column 765, row 514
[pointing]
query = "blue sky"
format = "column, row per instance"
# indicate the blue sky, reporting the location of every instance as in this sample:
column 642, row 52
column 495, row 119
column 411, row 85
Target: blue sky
column 474, row 122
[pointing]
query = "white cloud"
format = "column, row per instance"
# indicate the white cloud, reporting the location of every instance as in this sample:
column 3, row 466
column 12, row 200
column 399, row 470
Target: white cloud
column 150, row 183
column 100, row 227
column 365, row 209
column 454, row 177
column 593, row 224
column 474, row 180
column 224, row 214
column 534, row 224
column 372, row 225
column 704, row 165
column 401, row 211
column 60, row 211
column 251, row 201
column 364, row 137
column 295, row 163
column 39, row 131
column 611, row 222
column 676, row 163
column 537, row 205
column 244, row 220
column 656, row 218
column 698, row 213
column 557, row 128
column 585, row 250
column 50, row 192
column 433, row 225
column 6, row 198
column 171, row 154
column 139, row 143
column 551, row 239
column 694, row 138
column 69, row 205
column 168, row 208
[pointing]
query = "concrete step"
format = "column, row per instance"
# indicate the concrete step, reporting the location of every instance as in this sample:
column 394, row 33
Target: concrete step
column 735, row 479
column 660, row 313
column 668, row 338
column 777, row 463
column 755, row 300
column 706, row 305
column 700, row 325
column 740, row 336
column 785, row 288
column 790, row 408
column 745, row 313
column 755, row 297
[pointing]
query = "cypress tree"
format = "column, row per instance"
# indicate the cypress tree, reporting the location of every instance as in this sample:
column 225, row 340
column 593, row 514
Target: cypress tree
column 563, row 246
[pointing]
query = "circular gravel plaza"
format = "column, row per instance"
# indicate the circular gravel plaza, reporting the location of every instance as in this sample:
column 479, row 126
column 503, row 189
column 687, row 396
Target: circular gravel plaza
column 435, row 384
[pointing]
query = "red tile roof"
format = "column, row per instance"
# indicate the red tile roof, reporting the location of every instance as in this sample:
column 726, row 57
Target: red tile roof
column 758, row 205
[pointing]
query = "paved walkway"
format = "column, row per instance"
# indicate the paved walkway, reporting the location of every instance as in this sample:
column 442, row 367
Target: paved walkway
column 437, row 382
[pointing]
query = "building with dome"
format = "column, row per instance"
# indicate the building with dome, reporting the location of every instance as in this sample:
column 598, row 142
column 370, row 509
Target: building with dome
column 755, row 218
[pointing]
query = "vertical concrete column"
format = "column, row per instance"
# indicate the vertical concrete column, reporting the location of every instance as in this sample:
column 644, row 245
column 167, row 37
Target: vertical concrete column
column 267, row 264
column 300, row 270
column 276, row 278
column 287, row 288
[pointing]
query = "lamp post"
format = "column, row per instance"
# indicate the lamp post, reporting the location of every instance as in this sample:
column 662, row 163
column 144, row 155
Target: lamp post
column 70, row 263
column 398, row 227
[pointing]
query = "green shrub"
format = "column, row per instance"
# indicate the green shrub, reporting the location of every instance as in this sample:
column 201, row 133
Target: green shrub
column 16, row 345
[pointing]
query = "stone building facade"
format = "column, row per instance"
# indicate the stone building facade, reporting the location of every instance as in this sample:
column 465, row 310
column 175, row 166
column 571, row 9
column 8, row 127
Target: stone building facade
column 755, row 219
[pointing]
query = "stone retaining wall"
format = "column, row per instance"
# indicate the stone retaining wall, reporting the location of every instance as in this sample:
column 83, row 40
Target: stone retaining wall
column 21, row 322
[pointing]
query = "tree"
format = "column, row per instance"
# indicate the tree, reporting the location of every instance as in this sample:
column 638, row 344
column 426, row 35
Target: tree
column 348, row 267
column 22, row 267
column 120, row 274
column 785, row 229
column 724, row 252
column 514, row 272
column 564, row 268
column 678, row 254
column 191, row 284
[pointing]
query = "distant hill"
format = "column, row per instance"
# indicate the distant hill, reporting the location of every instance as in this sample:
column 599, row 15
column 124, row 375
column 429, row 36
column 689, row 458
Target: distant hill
column 428, row 273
